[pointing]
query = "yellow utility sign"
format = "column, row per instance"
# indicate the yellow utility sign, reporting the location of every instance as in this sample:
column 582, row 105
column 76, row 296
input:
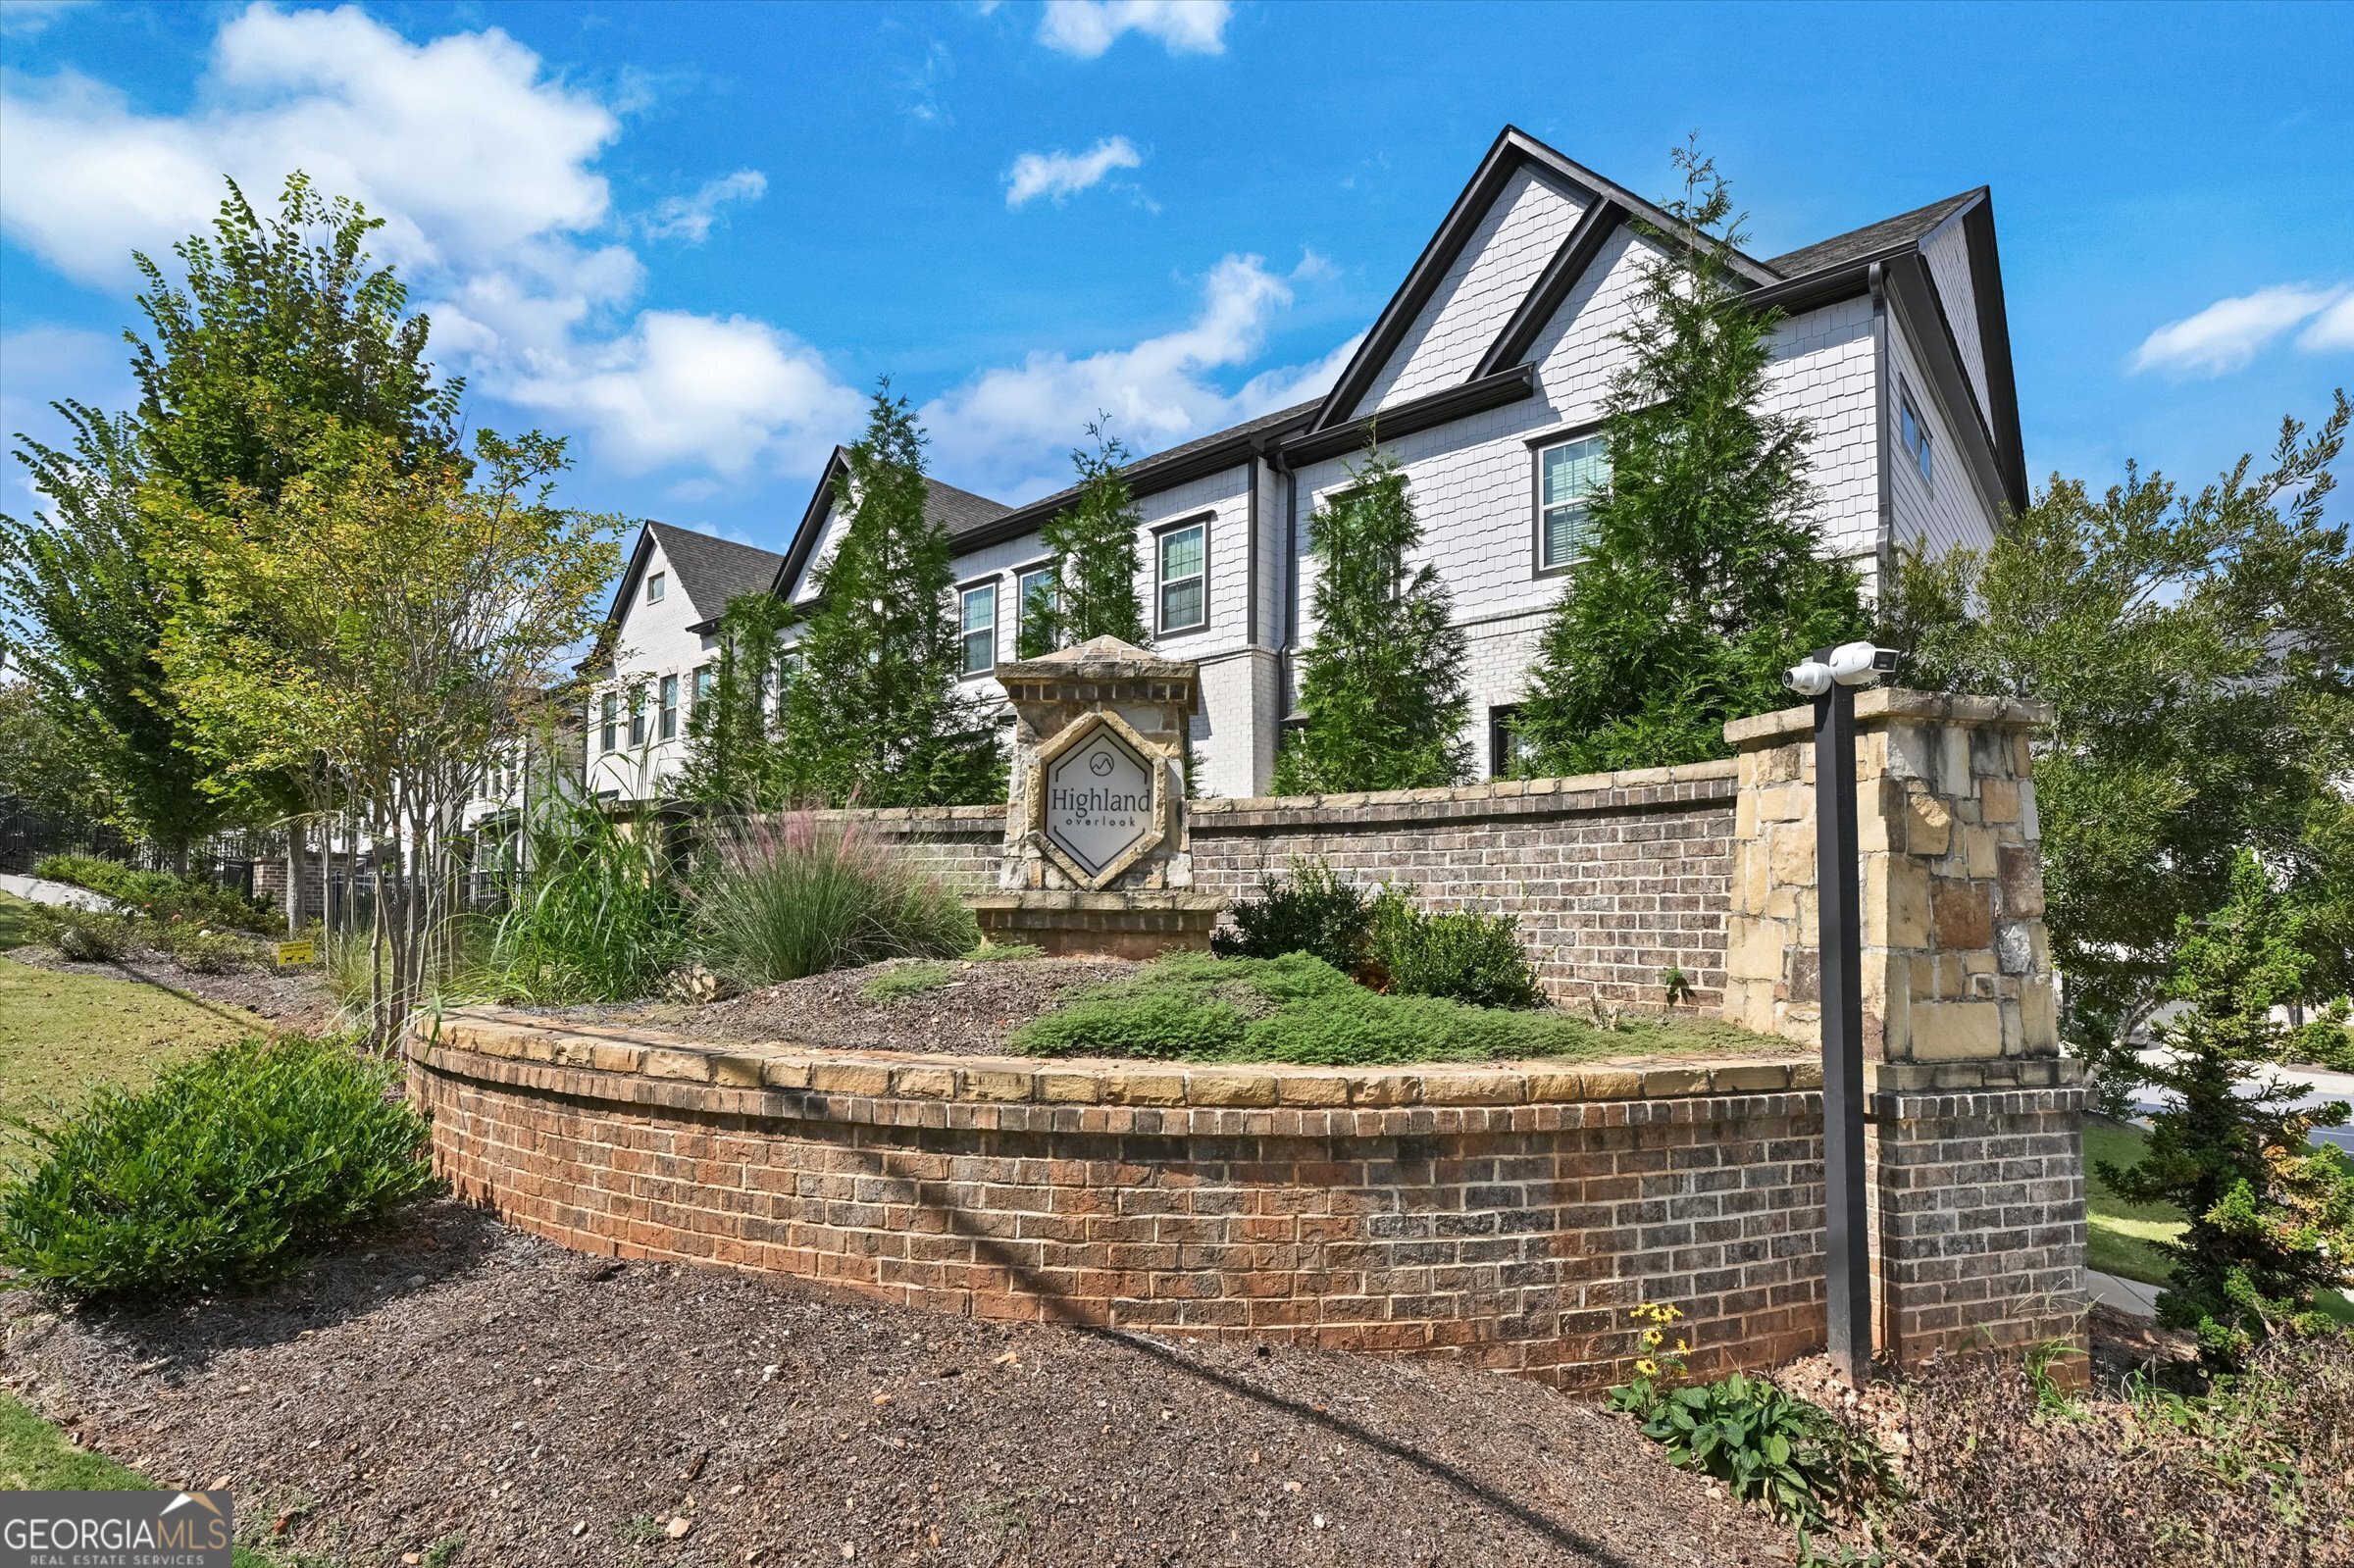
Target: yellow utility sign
column 294, row 953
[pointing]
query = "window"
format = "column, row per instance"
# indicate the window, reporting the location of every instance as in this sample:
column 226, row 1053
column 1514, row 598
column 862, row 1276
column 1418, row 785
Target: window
column 655, row 587
column 980, row 628
column 637, row 717
column 1509, row 750
column 1568, row 477
column 1184, row 579
column 1034, row 590
column 1916, row 434
column 610, row 715
column 705, row 677
column 670, row 707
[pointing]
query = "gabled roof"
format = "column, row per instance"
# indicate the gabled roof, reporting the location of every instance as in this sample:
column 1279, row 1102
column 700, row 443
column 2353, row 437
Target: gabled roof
column 1904, row 229
column 711, row 571
column 958, row 513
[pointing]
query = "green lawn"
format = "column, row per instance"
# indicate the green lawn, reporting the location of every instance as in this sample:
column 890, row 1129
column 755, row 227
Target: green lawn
column 13, row 911
column 60, row 1032
column 35, row 1456
column 2121, row 1234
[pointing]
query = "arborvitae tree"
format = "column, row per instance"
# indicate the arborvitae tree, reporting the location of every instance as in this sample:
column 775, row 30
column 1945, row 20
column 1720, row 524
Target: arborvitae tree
column 875, row 713
column 1093, row 545
column 1704, row 581
column 733, row 733
column 1382, row 687
column 2272, row 1216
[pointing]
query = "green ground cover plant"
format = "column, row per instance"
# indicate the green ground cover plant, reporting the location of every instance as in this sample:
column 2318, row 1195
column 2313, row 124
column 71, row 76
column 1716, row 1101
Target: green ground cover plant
column 161, row 894
column 902, row 981
column 229, row 1172
column 804, row 892
column 1300, row 1009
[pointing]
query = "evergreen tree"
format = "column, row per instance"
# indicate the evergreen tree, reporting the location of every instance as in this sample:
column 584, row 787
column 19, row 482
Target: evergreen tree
column 1093, row 545
column 875, row 713
column 734, row 757
column 1703, row 582
column 1382, row 687
column 2272, row 1216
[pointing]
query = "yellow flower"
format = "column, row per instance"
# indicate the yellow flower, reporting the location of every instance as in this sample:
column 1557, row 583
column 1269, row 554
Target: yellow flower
column 1651, row 1338
column 1648, row 1367
column 1682, row 1348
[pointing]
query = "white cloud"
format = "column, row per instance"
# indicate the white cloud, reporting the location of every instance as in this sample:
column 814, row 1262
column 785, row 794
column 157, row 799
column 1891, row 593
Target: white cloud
column 1007, row 430
column 1088, row 27
column 1061, row 176
column 679, row 388
column 689, row 218
column 2230, row 333
column 2332, row 329
column 22, row 18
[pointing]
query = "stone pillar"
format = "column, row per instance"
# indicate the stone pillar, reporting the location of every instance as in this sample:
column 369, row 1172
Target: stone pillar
column 1097, row 858
column 1974, row 1120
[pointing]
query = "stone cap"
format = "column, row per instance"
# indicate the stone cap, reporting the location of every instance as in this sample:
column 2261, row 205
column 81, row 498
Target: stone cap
column 1098, row 659
column 649, row 1053
column 1897, row 704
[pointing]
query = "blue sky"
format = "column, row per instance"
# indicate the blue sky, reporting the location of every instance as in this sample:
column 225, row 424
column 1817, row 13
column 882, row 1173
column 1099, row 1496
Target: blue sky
column 691, row 236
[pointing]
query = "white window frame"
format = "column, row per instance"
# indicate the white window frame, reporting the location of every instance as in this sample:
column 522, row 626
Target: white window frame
column 657, row 587
column 1542, row 565
column 609, row 716
column 966, row 632
column 1162, row 537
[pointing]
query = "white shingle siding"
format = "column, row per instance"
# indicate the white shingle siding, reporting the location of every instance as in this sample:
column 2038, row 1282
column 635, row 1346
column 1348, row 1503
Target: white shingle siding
column 653, row 641
column 1947, row 251
column 1478, row 293
column 1947, row 508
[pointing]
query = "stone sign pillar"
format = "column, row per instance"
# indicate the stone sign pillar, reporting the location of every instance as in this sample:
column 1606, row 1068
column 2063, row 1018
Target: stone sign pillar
column 1097, row 859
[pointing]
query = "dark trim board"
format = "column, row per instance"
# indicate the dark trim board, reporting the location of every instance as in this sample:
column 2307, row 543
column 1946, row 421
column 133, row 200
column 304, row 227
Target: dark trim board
column 1915, row 294
column 1415, row 415
column 805, row 537
column 1570, row 262
column 1994, row 338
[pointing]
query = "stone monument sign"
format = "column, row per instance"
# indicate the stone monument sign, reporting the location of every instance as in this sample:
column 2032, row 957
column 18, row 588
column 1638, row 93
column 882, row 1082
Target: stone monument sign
column 1096, row 857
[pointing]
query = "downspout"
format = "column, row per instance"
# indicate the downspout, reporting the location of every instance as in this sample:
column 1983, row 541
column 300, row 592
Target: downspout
column 1251, row 551
column 1883, row 547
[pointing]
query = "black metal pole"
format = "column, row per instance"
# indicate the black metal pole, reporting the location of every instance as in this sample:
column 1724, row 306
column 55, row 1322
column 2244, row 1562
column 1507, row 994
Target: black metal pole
column 1847, row 1232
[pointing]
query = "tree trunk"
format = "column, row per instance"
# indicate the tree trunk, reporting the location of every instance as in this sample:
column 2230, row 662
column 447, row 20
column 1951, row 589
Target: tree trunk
column 297, row 863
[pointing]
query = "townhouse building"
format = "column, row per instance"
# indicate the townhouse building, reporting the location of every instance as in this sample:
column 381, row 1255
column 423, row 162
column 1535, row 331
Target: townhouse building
column 1486, row 375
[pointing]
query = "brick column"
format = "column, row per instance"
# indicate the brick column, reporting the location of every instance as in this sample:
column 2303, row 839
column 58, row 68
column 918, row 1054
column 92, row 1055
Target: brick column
column 1976, row 1136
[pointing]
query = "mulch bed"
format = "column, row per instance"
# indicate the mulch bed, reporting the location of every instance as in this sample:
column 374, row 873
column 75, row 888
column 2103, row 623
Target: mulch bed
column 979, row 1007
column 452, row 1380
column 296, row 1000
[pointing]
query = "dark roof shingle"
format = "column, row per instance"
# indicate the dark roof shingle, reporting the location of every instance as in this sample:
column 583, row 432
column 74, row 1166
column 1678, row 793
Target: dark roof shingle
column 1856, row 243
column 712, row 571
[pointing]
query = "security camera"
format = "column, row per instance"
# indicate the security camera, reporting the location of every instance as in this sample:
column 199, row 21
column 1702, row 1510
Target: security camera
column 1855, row 664
column 1809, row 680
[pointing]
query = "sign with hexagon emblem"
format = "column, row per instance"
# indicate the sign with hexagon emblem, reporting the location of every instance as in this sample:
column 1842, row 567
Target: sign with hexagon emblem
column 1100, row 807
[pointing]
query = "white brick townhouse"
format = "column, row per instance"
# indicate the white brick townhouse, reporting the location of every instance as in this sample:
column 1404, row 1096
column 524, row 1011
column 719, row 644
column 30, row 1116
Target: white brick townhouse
column 1487, row 374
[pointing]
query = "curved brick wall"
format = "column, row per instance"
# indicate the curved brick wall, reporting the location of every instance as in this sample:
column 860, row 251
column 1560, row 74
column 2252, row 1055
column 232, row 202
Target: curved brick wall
column 1508, row 1216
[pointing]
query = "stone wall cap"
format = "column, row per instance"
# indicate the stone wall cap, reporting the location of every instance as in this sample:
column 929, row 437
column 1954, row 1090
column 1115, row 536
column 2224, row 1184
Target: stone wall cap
column 1100, row 659
column 1516, row 791
column 1889, row 705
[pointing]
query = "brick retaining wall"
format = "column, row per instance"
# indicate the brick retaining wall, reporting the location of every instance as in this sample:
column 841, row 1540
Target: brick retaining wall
column 1502, row 1216
column 1615, row 878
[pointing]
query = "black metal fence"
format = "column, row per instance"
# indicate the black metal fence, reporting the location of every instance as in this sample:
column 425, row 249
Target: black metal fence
column 28, row 837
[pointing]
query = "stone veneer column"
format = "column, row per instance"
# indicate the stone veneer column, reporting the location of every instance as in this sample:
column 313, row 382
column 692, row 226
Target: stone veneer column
column 1974, row 1136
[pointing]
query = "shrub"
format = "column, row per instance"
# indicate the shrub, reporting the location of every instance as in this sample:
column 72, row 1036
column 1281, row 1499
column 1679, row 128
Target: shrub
column 230, row 1170
column 205, row 952
column 1464, row 956
column 1310, row 911
column 902, row 981
column 595, row 917
column 160, row 893
column 85, row 935
column 806, row 892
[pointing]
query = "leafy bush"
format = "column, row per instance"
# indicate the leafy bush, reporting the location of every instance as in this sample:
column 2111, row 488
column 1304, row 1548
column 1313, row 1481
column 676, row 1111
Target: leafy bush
column 1797, row 1459
column 160, row 894
column 204, row 951
column 232, row 1170
column 808, row 892
column 1464, row 956
column 1299, row 1009
column 85, row 935
column 1310, row 911
column 595, row 918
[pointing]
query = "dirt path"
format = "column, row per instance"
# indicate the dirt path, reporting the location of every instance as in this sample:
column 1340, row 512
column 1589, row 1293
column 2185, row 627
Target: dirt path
column 456, row 1382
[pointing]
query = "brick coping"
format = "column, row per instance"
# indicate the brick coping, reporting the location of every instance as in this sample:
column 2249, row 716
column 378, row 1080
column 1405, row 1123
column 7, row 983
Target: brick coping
column 643, row 1053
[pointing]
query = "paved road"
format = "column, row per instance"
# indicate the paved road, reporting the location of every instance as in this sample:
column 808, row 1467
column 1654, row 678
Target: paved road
column 2317, row 1086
